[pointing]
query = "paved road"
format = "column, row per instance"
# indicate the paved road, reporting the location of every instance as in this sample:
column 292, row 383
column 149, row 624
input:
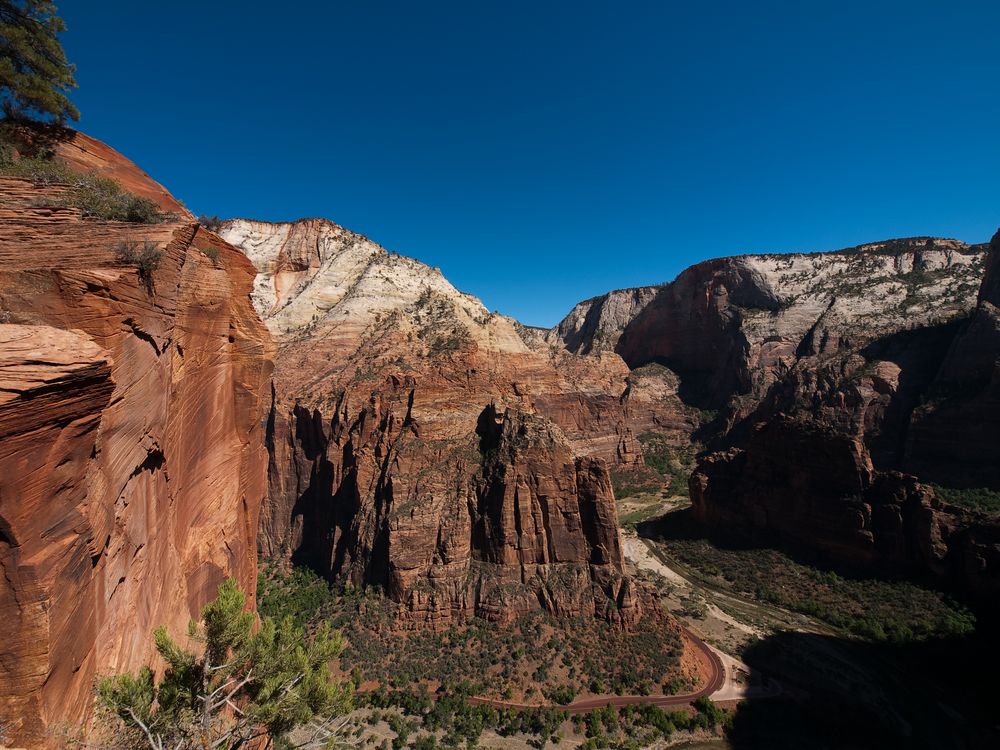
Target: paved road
column 586, row 705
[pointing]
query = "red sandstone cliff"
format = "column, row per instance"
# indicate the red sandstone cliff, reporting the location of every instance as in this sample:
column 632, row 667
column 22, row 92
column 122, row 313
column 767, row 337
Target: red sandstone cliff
column 421, row 443
column 813, row 487
column 132, row 459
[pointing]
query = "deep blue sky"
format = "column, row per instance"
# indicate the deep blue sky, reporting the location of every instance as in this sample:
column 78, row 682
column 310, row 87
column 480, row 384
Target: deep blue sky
column 541, row 153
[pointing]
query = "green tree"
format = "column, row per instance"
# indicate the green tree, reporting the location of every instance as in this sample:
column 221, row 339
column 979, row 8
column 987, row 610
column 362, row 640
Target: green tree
column 244, row 687
column 34, row 73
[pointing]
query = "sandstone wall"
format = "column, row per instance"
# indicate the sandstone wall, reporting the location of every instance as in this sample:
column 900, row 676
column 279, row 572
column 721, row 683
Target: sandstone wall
column 132, row 458
column 814, row 489
column 379, row 469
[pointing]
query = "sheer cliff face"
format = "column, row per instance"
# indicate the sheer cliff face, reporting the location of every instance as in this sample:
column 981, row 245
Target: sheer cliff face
column 381, row 471
column 132, row 459
column 831, row 372
column 819, row 468
column 954, row 437
column 735, row 326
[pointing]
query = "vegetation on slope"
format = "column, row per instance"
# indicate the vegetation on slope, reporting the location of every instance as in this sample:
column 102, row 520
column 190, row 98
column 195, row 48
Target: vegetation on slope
column 978, row 498
column 666, row 466
column 537, row 656
column 244, row 684
column 95, row 196
column 877, row 610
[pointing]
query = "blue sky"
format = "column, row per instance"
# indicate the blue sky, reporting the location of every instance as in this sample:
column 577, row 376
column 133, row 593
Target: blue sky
column 543, row 152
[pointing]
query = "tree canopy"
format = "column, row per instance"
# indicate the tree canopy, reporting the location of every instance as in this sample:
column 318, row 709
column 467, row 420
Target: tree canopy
column 35, row 75
column 244, row 687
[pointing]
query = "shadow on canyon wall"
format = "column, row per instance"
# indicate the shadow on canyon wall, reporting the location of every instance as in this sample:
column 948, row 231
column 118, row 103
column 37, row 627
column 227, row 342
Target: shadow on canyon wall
column 842, row 693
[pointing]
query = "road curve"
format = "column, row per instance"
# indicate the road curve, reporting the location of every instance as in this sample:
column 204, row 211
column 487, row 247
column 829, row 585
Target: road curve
column 589, row 704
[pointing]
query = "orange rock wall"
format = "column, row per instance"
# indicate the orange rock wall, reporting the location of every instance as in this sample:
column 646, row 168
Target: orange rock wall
column 132, row 458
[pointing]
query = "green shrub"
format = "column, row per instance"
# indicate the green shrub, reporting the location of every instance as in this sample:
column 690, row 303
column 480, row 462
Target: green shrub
column 212, row 253
column 95, row 196
column 561, row 694
column 277, row 674
column 145, row 256
column 211, row 223
column 977, row 498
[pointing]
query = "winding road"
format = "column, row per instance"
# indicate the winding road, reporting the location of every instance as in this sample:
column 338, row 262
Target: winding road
column 707, row 656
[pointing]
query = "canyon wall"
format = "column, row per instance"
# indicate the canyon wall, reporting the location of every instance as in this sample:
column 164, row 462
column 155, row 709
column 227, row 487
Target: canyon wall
column 829, row 374
column 732, row 327
column 954, row 435
column 425, row 445
column 132, row 418
column 819, row 461
column 813, row 488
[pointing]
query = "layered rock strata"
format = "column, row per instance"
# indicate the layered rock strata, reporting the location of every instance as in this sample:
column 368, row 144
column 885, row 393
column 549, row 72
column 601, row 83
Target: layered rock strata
column 381, row 471
column 132, row 462
column 820, row 466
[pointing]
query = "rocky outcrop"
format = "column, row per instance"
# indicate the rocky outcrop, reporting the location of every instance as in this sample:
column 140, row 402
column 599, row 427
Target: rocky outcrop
column 813, row 488
column 820, row 467
column 89, row 155
column 596, row 324
column 132, row 458
column 380, row 469
column 494, row 523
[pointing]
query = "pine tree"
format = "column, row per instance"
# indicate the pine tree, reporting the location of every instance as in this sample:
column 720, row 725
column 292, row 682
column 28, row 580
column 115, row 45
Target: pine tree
column 35, row 76
column 245, row 688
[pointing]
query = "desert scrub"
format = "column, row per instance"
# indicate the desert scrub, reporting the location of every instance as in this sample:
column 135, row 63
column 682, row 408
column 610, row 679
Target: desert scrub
column 145, row 255
column 977, row 498
column 537, row 650
column 873, row 609
column 95, row 196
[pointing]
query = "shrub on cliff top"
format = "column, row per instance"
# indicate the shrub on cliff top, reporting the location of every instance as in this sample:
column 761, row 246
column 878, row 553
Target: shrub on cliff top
column 96, row 197
column 146, row 256
column 211, row 223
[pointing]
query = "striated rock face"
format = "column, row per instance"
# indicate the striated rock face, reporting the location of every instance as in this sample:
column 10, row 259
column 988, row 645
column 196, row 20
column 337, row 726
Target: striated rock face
column 382, row 466
column 85, row 154
column 132, row 458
